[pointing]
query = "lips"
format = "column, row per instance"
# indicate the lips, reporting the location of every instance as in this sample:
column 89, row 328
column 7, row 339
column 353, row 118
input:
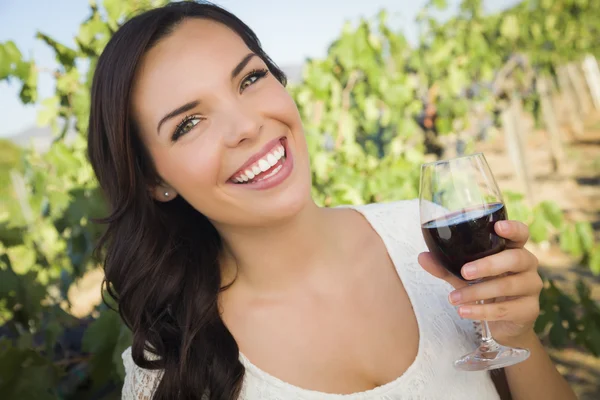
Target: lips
column 263, row 164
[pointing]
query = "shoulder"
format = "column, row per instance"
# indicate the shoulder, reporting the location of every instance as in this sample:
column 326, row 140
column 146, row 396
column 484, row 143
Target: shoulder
column 398, row 221
column 395, row 209
column 139, row 383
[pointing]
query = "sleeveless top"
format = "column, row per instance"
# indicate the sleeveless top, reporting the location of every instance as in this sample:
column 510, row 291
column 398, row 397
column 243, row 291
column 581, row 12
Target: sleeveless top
column 444, row 336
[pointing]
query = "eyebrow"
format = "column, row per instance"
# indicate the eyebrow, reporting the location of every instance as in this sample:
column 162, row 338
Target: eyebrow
column 179, row 110
column 236, row 71
column 192, row 104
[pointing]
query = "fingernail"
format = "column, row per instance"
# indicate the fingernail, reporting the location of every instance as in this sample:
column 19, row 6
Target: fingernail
column 465, row 311
column 455, row 297
column 503, row 225
column 469, row 270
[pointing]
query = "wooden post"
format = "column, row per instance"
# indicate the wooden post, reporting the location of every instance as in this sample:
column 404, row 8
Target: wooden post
column 514, row 136
column 580, row 90
column 592, row 76
column 552, row 126
column 569, row 102
column 557, row 102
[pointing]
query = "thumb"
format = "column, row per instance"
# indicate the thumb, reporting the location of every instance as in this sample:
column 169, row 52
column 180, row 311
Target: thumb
column 432, row 265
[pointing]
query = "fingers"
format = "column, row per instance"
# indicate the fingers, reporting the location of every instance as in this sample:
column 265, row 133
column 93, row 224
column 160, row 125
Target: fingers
column 519, row 311
column 525, row 284
column 516, row 232
column 511, row 260
column 431, row 265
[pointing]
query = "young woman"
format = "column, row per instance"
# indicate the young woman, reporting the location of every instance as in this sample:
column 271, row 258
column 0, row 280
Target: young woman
column 236, row 285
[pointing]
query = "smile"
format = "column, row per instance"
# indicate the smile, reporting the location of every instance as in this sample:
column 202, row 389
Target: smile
column 273, row 166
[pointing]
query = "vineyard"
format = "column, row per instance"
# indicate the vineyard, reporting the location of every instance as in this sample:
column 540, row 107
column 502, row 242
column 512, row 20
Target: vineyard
column 522, row 85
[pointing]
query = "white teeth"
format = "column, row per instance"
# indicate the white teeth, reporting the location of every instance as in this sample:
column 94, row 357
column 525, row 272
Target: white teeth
column 273, row 172
column 263, row 165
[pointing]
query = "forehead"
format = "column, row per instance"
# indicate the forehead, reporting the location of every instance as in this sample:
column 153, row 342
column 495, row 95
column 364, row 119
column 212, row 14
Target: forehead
column 195, row 46
column 201, row 37
column 198, row 54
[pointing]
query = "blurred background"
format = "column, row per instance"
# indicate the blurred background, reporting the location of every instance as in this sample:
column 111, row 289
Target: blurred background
column 382, row 87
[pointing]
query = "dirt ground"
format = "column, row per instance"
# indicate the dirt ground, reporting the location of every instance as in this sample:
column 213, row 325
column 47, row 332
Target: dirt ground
column 576, row 188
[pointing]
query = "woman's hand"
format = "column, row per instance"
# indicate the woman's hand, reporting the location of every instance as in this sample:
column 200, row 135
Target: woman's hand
column 511, row 286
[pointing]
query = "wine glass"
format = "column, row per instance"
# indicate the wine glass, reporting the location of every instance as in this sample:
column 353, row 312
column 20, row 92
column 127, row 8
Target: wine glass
column 459, row 204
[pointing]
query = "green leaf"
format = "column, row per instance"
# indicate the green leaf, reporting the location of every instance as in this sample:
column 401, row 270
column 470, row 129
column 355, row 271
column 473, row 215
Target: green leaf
column 371, row 109
column 510, row 27
column 570, row 242
column 320, row 164
column 12, row 52
column 30, row 78
column 68, row 82
column 100, row 340
column 595, row 260
column 22, row 258
column 558, row 334
column 444, row 125
column 10, row 58
column 22, row 70
column 543, row 321
column 52, row 332
column 90, row 32
column 114, row 9
column 518, row 211
column 9, row 282
column 5, row 63
column 539, row 228
column 26, row 375
column 64, row 55
column 440, row 4
column 49, row 111
column 553, row 213
column 586, row 235
column 124, row 341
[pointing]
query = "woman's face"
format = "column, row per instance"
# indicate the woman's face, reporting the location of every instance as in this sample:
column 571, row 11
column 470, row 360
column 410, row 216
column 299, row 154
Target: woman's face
column 221, row 130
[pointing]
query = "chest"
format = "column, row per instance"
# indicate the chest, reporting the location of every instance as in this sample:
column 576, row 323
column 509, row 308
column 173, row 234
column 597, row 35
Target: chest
column 350, row 339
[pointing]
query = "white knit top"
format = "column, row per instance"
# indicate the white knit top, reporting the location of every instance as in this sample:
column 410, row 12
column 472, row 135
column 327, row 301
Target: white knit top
column 444, row 336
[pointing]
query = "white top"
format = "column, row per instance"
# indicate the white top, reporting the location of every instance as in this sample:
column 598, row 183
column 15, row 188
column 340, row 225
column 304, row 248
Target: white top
column 444, row 336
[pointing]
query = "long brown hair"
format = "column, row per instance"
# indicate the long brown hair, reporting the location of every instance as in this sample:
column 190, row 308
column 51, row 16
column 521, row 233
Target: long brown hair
column 161, row 259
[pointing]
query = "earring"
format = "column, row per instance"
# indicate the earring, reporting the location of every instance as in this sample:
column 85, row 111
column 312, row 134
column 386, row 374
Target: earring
column 166, row 194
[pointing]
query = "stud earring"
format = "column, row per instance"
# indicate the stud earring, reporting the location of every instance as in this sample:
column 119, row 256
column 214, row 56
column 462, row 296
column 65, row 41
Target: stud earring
column 166, row 194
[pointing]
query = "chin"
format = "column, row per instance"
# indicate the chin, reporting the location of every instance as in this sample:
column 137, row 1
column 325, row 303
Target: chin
column 288, row 204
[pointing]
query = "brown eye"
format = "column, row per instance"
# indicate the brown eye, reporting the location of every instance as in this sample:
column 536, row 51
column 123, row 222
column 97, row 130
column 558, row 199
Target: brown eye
column 252, row 78
column 185, row 126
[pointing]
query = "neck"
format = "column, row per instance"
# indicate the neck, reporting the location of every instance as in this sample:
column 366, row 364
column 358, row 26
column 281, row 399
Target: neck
column 274, row 257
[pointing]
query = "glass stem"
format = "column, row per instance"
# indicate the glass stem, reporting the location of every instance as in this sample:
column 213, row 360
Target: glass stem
column 486, row 334
column 487, row 341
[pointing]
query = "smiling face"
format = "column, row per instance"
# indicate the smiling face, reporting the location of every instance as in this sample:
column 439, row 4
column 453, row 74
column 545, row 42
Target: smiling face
column 222, row 131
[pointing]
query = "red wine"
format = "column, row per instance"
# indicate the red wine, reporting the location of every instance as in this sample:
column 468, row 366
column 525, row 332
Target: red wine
column 465, row 236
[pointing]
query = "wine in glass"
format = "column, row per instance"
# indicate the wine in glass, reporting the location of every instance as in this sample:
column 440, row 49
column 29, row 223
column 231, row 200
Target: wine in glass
column 459, row 204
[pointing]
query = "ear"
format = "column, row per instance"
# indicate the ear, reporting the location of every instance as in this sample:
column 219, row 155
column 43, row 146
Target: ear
column 163, row 193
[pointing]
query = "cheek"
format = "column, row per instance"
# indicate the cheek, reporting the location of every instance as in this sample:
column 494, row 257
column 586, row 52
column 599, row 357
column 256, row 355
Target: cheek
column 192, row 169
column 282, row 107
column 286, row 107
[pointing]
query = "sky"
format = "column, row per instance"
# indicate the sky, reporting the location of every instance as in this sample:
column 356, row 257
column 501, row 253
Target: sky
column 290, row 32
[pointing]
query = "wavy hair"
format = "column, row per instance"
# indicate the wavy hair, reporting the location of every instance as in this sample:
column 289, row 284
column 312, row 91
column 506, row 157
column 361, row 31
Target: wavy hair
column 161, row 259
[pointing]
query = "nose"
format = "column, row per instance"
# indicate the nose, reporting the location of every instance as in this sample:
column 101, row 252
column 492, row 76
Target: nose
column 244, row 124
